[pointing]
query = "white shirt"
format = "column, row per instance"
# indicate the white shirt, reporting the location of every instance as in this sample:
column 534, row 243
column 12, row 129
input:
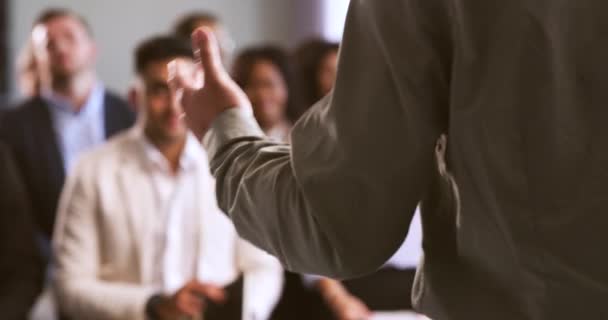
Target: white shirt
column 174, row 264
column 175, row 235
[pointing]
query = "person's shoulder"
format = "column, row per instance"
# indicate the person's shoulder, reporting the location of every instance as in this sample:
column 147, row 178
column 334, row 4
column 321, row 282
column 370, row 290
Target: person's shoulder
column 23, row 109
column 27, row 103
column 17, row 119
column 113, row 147
column 106, row 155
column 114, row 99
column 119, row 110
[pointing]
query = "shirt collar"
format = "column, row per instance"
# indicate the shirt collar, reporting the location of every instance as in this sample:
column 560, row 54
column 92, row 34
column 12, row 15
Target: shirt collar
column 92, row 105
column 192, row 155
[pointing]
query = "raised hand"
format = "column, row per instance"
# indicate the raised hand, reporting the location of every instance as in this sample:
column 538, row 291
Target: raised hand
column 205, row 96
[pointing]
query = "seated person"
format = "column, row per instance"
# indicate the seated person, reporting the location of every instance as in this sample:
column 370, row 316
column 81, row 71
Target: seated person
column 264, row 73
column 140, row 235
column 316, row 65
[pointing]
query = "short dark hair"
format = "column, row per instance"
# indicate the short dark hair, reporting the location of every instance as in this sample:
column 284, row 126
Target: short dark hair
column 308, row 59
column 185, row 26
column 53, row 13
column 161, row 48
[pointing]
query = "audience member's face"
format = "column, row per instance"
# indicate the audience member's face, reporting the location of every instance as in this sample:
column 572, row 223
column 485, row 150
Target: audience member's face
column 327, row 73
column 70, row 47
column 163, row 116
column 267, row 91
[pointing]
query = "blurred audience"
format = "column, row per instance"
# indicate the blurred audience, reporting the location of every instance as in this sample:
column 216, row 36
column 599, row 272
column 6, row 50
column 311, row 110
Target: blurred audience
column 186, row 25
column 62, row 117
column 67, row 111
column 316, row 64
column 140, row 235
column 21, row 266
column 265, row 74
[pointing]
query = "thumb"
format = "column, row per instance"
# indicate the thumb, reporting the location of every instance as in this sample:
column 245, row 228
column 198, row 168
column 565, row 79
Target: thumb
column 207, row 51
column 211, row 292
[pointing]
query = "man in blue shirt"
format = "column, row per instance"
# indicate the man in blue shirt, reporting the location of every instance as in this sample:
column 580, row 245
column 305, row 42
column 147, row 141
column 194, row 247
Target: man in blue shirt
column 68, row 115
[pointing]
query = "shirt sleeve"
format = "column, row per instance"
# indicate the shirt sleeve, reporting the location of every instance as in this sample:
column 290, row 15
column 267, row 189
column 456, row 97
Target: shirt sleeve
column 339, row 201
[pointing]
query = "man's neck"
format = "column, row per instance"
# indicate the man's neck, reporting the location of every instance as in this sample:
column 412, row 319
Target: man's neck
column 76, row 89
column 172, row 151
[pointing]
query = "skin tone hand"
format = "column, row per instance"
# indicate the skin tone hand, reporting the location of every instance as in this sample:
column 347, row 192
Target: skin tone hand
column 344, row 305
column 39, row 66
column 189, row 300
column 204, row 99
column 349, row 307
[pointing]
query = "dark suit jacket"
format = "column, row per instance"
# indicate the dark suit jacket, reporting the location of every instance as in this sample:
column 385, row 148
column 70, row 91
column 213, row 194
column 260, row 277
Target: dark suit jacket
column 28, row 131
column 21, row 266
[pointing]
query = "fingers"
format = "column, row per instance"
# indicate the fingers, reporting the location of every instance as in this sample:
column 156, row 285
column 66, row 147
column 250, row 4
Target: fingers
column 189, row 304
column 177, row 75
column 206, row 50
column 39, row 40
column 211, row 292
column 351, row 308
column 358, row 314
column 185, row 78
column 176, row 81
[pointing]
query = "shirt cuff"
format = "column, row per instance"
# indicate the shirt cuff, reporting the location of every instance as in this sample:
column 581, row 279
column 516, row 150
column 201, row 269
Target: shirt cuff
column 231, row 124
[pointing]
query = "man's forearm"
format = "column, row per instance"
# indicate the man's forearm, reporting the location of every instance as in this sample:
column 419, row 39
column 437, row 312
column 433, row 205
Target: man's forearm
column 260, row 211
column 235, row 123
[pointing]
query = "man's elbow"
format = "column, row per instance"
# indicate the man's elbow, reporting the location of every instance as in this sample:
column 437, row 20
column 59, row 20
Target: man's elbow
column 350, row 265
column 357, row 256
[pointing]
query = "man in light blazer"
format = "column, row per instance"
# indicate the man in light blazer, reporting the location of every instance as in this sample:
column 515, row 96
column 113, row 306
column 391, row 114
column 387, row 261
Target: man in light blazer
column 139, row 233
